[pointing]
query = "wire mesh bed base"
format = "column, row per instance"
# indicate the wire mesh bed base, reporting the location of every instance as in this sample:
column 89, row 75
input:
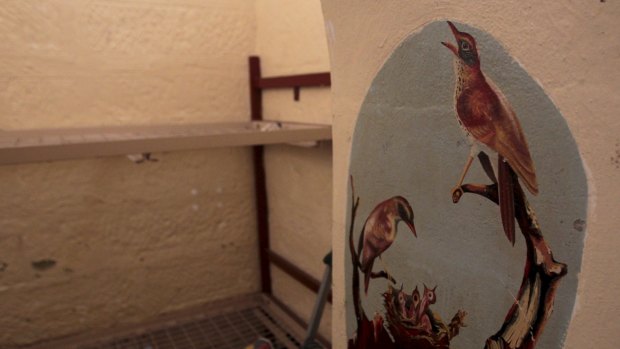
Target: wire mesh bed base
column 229, row 324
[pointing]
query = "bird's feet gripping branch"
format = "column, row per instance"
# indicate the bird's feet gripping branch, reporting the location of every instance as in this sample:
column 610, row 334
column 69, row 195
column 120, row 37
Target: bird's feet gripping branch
column 521, row 329
column 457, row 193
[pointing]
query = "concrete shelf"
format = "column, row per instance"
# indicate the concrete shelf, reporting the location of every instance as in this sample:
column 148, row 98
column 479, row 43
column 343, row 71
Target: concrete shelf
column 63, row 144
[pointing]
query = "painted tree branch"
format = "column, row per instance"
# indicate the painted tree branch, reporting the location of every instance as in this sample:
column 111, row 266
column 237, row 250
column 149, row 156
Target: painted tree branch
column 357, row 303
column 359, row 313
column 533, row 306
column 403, row 332
column 369, row 333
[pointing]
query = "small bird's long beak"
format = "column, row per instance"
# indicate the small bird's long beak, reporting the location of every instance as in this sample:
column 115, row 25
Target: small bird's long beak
column 412, row 227
column 456, row 33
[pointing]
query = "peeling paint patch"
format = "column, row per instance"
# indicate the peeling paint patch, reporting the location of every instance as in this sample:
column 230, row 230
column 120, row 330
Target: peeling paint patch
column 43, row 264
column 330, row 31
column 227, row 245
column 579, row 225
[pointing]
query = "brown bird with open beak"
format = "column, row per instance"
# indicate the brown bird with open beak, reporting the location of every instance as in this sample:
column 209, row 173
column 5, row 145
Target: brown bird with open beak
column 414, row 308
column 380, row 230
column 488, row 119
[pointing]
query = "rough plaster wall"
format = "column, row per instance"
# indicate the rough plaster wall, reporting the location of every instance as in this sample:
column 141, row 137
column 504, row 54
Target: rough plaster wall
column 77, row 63
column 291, row 40
column 300, row 191
column 570, row 48
column 127, row 241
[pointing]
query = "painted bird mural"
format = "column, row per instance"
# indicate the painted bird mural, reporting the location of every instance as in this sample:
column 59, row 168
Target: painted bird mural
column 487, row 118
column 379, row 232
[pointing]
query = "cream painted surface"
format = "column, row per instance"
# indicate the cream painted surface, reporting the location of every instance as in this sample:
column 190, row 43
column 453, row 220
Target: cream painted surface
column 291, row 40
column 129, row 241
column 300, row 191
column 571, row 48
column 291, row 37
column 67, row 64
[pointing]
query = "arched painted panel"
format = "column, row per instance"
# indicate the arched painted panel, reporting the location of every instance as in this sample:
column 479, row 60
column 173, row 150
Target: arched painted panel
column 408, row 152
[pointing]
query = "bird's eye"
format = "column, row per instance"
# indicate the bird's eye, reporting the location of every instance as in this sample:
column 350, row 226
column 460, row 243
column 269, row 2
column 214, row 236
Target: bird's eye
column 465, row 45
column 402, row 212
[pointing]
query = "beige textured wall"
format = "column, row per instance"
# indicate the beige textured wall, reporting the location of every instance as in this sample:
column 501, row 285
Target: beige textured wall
column 291, row 40
column 76, row 63
column 128, row 241
column 571, row 48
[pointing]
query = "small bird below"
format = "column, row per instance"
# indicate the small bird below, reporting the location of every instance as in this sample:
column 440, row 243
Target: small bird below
column 379, row 232
column 412, row 313
column 415, row 308
column 428, row 298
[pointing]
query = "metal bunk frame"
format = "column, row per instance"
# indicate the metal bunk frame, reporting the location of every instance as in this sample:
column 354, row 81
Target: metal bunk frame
column 258, row 84
column 262, row 314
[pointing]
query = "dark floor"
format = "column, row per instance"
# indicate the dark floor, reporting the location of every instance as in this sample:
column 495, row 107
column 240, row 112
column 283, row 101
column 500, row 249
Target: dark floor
column 228, row 325
column 233, row 330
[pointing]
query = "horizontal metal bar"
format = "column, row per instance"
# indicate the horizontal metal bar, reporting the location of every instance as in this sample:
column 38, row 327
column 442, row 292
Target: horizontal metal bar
column 296, row 273
column 304, row 80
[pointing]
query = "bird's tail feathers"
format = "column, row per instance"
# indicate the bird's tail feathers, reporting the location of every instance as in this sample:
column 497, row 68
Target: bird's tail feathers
column 367, row 274
column 506, row 199
column 520, row 159
column 525, row 171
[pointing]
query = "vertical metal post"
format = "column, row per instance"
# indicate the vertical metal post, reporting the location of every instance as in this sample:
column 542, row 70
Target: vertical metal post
column 319, row 305
column 256, row 94
column 262, row 210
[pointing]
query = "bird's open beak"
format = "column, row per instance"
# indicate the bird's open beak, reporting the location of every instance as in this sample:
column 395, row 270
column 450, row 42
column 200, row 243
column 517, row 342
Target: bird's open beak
column 412, row 227
column 456, row 33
